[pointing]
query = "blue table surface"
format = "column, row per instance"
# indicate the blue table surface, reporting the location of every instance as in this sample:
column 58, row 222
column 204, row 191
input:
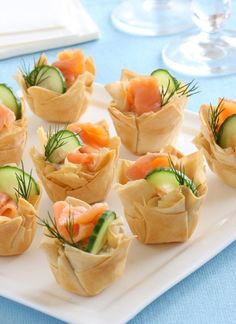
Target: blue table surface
column 209, row 294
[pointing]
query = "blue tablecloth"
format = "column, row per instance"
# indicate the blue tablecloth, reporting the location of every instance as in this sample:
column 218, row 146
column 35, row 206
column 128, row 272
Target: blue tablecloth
column 209, row 294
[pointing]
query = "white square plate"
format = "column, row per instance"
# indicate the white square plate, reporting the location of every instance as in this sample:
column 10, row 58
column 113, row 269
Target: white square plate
column 150, row 270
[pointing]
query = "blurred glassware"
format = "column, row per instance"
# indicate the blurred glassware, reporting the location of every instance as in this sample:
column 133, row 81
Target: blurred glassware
column 210, row 52
column 152, row 17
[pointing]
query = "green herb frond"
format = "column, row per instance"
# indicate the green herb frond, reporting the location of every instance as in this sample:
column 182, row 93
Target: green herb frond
column 51, row 226
column 213, row 117
column 24, row 184
column 181, row 177
column 55, row 140
column 188, row 90
column 35, row 76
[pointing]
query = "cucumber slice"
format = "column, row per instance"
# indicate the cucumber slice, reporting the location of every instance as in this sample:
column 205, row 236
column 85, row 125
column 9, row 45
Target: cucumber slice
column 99, row 235
column 9, row 183
column 8, row 98
column 48, row 77
column 166, row 178
column 227, row 132
column 165, row 80
column 60, row 144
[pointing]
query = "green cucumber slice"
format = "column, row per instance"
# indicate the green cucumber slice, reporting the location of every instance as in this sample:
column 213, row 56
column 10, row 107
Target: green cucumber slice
column 165, row 80
column 8, row 98
column 48, row 77
column 99, row 235
column 166, row 178
column 227, row 132
column 9, row 183
column 60, row 144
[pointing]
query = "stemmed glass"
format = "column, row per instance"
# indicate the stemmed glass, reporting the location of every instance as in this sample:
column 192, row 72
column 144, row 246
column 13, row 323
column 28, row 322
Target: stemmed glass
column 152, row 17
column 212, row 51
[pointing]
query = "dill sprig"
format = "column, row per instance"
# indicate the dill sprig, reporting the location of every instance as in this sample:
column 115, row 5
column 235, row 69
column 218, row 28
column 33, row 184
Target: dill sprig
column 55, row 140
column 188, row 90
column 213, row 118
column 53, row 232
column 35, row 76
column 181, row 177
column 24, row 184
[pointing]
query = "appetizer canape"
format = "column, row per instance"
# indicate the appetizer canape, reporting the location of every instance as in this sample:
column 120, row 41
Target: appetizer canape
column 147, row 111
column 13, row 126
column 19, row 198
column 59, row 92
column 161, row 195
column 86, row 246
column 78, row 161
column 217, row 139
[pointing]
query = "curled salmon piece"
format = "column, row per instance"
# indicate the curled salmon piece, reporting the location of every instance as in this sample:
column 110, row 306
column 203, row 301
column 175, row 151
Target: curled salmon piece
column 7, row 117
column 143, row 95
column 145, row 164
column 72, row 63
column 227, row 108
column 7, row 206
column 94, row 135
column 77, row 223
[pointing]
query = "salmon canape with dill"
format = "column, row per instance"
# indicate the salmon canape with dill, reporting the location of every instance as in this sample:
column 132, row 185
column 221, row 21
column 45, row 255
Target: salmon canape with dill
column 147, row 111
column 161, row 194
column 78, row 161
column 58, row 92
column 86, row 246
column 217, row 139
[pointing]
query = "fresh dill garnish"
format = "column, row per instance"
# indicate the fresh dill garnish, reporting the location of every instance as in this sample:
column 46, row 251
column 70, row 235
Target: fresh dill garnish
column 213, row 118
column 24, row 184
column 35, row 76
column 181, row 177
column 188, row 90
column 53, row 232
column 55, row 140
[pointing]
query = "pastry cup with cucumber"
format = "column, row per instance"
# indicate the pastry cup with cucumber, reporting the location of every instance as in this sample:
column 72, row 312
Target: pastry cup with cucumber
column 58, row 92
column 148, row 111
column 217, row 139
column 78, row 161
column 86, row 246
column 13, row 126
column 19, row 198
column 161, row 194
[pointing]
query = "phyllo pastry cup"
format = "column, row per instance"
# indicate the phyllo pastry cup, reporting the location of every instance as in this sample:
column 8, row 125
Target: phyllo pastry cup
column 18, row 218
column 157, row 217
column 13, row 139
column 149, row 131
column 88, row 182
column 58, row 107
column 85, row 273
column 222, row 161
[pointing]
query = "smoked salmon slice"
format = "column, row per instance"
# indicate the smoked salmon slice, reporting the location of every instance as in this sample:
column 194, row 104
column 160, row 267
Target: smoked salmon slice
column 228, row 108
column 77, row 223
column 145, row 164
column 7, row 117
column 92, row 135
column 7, row 206
column 143, row 95
column 72, row 63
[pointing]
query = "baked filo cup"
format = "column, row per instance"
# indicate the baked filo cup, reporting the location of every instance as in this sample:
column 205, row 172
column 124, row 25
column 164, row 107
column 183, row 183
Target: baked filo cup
column 148, row 112
column 19, row 198
column 78, row 162
column 59, row 92
column 217, row 139
column 86, row 246
column 13, row 126
column 161, row 194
